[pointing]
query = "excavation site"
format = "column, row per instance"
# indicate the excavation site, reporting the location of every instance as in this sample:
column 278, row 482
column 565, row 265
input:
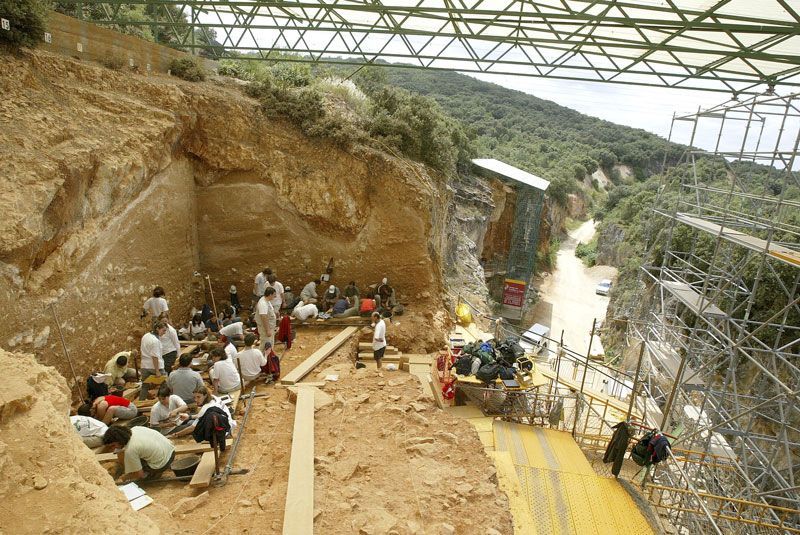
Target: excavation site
column 346, row 268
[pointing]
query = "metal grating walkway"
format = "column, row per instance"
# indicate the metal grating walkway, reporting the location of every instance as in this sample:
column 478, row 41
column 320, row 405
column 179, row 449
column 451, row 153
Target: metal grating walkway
column 563, row 492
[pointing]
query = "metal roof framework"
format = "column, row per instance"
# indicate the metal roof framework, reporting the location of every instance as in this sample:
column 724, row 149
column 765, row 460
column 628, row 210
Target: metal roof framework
column 733, row 46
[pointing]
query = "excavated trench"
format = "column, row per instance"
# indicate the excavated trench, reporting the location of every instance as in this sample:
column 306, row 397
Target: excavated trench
column 177, row 178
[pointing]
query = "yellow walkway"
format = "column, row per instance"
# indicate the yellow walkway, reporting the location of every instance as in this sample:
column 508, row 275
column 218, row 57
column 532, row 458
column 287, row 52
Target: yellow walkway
column 563, row 492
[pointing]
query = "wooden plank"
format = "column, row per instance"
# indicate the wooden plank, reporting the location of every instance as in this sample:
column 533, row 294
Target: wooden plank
column 318, row 356
column 419, row 359
column 298, row 514
column 419, row 368
column 180, row 449
column 205, row 471
column 386, row 358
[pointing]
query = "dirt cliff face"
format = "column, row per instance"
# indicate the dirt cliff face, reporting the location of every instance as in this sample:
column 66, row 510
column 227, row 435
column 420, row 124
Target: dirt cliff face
column 49, row 481
column 118, row 182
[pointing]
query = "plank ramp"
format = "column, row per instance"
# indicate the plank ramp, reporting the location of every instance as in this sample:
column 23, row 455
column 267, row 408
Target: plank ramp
column 305, row 367
column 205, row 471
column 298, row 514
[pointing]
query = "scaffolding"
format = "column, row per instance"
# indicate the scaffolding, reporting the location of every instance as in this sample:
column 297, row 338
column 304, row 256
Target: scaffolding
column 721, row 330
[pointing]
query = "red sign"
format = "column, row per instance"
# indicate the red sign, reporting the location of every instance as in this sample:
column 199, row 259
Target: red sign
column 514, row 293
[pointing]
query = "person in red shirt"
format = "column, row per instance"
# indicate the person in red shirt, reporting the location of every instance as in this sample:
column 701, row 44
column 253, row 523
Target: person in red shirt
column 106, row 408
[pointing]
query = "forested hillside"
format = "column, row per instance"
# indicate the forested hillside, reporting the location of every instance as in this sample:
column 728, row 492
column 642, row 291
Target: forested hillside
column 537, row 135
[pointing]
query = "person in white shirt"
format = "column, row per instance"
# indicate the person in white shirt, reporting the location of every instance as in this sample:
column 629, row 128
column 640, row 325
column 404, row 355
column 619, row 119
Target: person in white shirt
column 303, row 311
column 309, row 292
column 228, row 347
column 223, row 373
column 378, row 337
column 170, row 345
column 197, row 329
column 156, row 305
column 260, row 283
column 266, row 319
column 233, row 331
column 169, row 414
column 204, row 400
column 277, row 297
column 251, row 359
column 152, row 361
column 90, row 430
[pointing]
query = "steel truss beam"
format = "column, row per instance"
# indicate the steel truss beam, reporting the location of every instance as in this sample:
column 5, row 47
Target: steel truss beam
column 714, row 49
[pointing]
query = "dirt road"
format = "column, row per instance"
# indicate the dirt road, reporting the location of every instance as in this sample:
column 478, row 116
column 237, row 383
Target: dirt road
column 568, row 300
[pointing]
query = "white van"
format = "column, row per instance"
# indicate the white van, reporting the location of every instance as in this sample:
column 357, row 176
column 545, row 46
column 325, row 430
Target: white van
column 533, row 340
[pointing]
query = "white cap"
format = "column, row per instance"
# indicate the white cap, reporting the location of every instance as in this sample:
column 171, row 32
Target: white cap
column 385, row 280
column 233, row 289
column 332, row 288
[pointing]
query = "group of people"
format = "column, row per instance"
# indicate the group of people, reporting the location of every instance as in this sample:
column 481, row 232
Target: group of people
column 183, row 398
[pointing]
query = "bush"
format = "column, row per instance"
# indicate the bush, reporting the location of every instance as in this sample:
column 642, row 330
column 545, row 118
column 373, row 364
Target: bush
column 232, row 68
column 187, row 69
column 114, row 63
column 587, row 252
column 28, row 20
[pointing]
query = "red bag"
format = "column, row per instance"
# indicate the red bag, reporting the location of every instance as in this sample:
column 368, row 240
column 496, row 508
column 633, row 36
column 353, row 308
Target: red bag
column 274, row 365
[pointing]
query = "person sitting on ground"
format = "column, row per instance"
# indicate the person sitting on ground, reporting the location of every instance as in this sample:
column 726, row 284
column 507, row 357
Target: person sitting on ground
column 223, row 373
column 197, row 329
column 233, row 331
column 143, row 453
column 152, row 360
column 289, row 300
column 169, row 414
column 351, row 290
column 366, row 306
column 384, row 295
column 117, row 368
column 184, row 380
column 205, row 400
column 329, row 297
column 345, row 307
column 170, row 345
column 212, row 325
column 303, row 311
column 251, row 359
column 155, row 305
column 227, row 346
column 89, row 429
column 309, row 293
column 106, row 408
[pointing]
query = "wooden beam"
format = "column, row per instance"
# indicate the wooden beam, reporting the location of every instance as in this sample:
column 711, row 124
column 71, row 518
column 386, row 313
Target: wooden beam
column 367, row 347
column 298, row 514
column 205, row 471
column 180, row 449
column 318, row 356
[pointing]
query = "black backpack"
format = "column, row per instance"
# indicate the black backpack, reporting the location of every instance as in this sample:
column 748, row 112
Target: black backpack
column 94, row 389
column 507, row 373
column 488, row 372
column 640, row 452
column 463, row 365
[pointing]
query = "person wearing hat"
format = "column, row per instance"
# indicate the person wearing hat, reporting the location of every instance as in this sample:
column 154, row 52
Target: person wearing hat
column 289, row 300
column 235, row 299
column 384, row 295
column 331, row 296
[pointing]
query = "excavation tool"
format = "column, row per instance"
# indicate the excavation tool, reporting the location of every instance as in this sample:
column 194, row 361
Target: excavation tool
column 66, row 352
column 223, row 477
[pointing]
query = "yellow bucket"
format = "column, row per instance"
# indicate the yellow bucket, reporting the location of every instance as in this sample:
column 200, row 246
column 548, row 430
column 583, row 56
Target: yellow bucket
column 463, row 313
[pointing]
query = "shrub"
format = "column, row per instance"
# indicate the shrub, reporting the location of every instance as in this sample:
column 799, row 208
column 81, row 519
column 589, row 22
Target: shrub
column 232, row 68
column 587, row 252
column 114, row 63
column 28, row 20
column 187, row 69
column 288, row 75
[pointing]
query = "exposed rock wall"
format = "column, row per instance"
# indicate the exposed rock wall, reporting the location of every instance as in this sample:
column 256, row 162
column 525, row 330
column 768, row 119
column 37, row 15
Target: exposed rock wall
column 119, row 182
column 49, row 481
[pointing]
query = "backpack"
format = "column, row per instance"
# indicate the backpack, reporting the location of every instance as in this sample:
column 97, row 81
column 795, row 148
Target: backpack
column 640, row 453
column 463, row 365
column 488, row 373
column 507, row 373
column 274, row 365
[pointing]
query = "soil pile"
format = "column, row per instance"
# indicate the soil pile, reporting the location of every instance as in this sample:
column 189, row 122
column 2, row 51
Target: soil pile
column 49, row 481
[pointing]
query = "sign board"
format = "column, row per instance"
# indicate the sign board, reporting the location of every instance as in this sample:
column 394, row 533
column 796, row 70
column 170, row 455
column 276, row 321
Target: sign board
column 5, row 24
column 513, row 298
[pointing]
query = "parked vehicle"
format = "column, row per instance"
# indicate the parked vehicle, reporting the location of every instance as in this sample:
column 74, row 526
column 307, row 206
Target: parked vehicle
column 533, row 340
column 603, row 287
